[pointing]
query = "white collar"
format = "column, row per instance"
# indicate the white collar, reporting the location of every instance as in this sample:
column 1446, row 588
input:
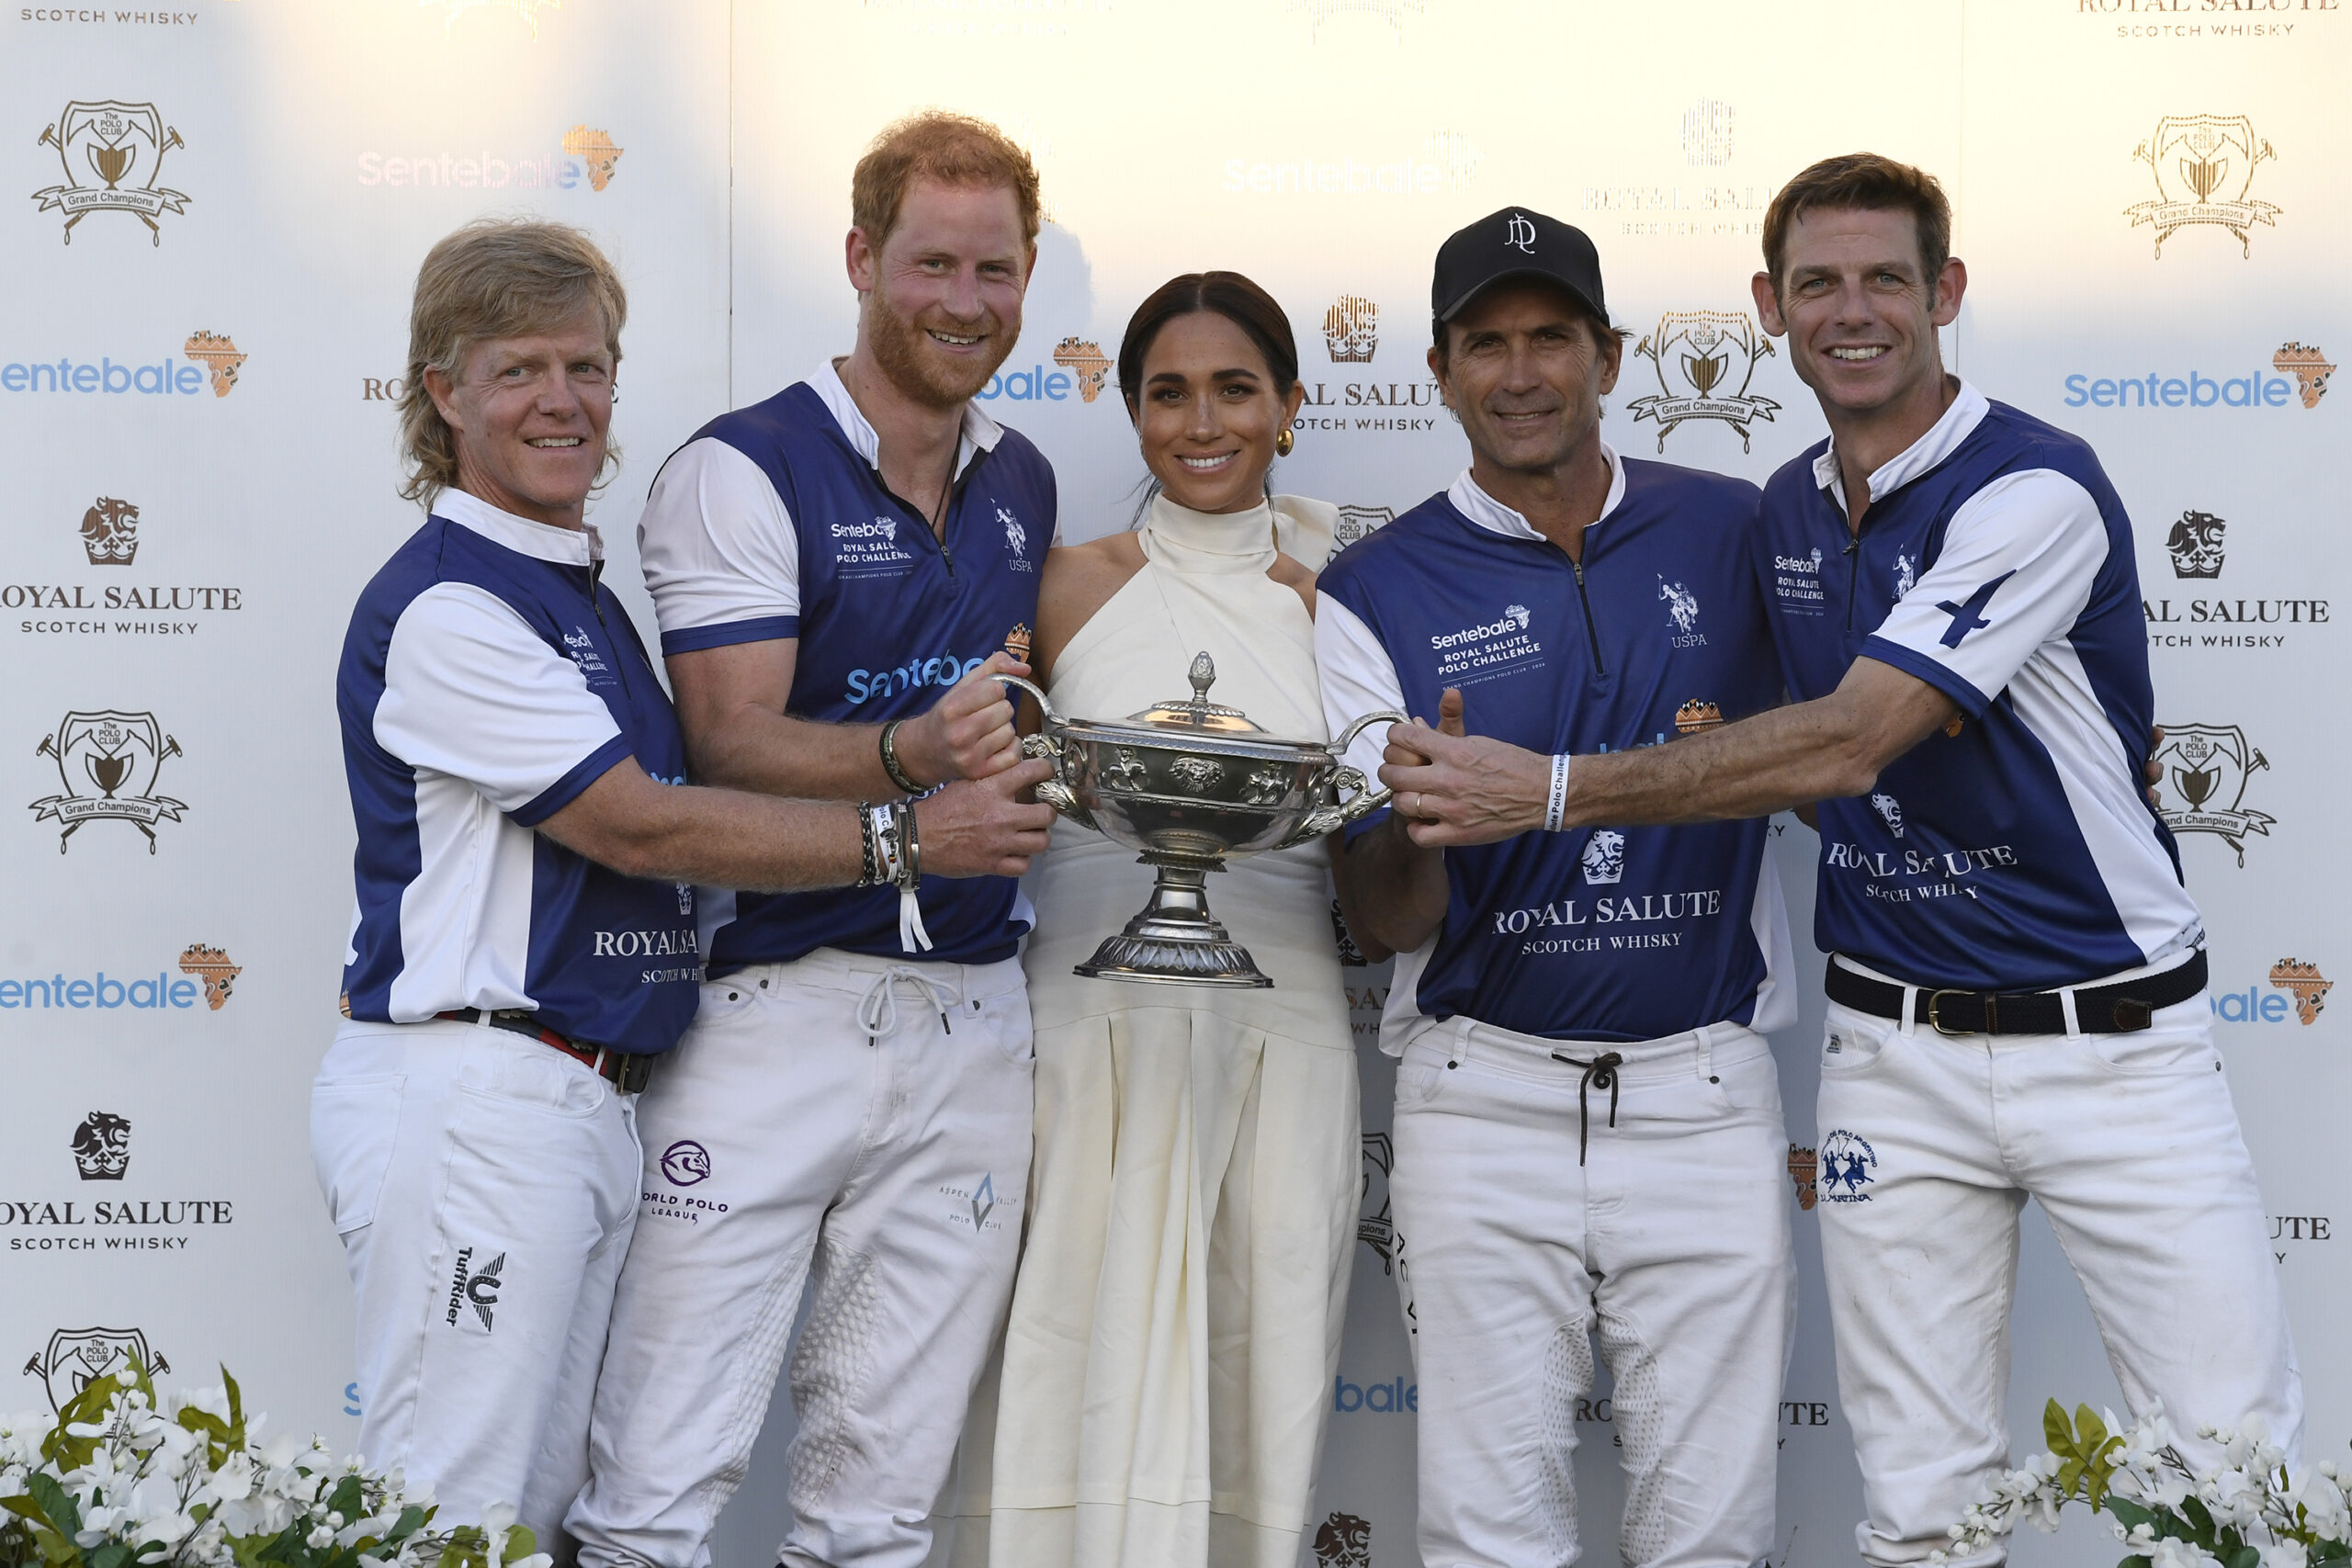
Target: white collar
column 1492, row 516
column 1943, row 438
column 980, row 433
column 541, row 541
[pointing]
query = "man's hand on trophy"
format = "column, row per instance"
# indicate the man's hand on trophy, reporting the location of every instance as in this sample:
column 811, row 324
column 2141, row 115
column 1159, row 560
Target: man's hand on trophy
column 981, row 828
column 967, row 734
column 1453, row 788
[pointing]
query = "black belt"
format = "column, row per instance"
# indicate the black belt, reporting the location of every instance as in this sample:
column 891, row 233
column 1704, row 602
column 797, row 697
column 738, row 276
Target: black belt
column 2125, row 1007
column 624, row 1070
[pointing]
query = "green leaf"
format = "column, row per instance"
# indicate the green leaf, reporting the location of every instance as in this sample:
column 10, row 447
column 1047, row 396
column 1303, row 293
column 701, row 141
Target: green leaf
column 2129, row 1514
column 2245, row 1557
column 2140, row 1560
column 2201, row 1523
column 114, row 1554
column 236, row 1410
column 2089, row 1429
column 412, row 1519
column 520, row 1542
column 64, row 1513
column 2053, row 1430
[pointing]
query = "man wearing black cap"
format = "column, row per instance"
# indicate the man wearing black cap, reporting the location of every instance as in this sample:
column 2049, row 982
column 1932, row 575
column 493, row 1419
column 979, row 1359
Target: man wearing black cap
column 1587, row 1133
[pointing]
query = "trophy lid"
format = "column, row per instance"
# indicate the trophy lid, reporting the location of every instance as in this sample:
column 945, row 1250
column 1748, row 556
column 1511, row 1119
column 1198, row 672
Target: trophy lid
column 1198, row 715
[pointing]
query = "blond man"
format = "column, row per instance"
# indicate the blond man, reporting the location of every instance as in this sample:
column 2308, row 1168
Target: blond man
column 837, row 571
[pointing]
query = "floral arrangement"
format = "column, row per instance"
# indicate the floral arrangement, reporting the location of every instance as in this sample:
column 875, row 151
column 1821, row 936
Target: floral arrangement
column 124, row 1477
column 2248, row 1513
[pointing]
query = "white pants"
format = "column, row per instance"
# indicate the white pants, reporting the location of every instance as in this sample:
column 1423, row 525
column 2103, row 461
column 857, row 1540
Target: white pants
column 822, row 1118
column 484, row 1186
column 1672, row 1239
column 1930, row 1145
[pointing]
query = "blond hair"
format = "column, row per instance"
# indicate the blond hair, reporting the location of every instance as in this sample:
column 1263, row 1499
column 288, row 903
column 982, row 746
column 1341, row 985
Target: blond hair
column 951, row 149
column 496, row 277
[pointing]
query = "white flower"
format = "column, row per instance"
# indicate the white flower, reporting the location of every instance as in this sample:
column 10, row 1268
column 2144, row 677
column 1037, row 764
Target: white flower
column 2285, row 1554
column 2170, row 1553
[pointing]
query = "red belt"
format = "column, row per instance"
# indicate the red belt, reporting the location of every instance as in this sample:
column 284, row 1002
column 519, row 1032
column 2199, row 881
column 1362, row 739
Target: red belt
column 624, row 1070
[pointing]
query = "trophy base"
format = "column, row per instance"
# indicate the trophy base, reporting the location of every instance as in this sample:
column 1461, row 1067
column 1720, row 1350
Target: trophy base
column 1175, row 940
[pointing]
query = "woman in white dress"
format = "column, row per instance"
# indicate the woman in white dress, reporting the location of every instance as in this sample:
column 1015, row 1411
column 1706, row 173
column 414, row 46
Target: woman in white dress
column 1176, row 1322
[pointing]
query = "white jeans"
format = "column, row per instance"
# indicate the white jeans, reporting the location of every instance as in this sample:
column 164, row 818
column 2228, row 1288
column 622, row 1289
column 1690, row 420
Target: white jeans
column 1671, row 1239
column 862, row 1121
column 1929, row 1146
column 484, row 1185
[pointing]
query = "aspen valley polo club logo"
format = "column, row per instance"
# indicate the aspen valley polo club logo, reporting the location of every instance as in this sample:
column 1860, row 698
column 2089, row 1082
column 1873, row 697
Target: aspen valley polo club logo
column 76, row 1358
column 1704, row 361
column 2203, row 165
column 113, row 154
column 99, row 1146
column 2206, row 769
column 108, row 761
column 102, row 599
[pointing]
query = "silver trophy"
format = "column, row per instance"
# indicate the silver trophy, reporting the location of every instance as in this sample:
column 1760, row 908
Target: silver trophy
column 1191, row 785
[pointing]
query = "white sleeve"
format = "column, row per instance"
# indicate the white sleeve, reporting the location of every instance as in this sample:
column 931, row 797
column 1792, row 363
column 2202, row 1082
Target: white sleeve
column 1358, row 678
column 472, row 691
column 2018, row 561
column 720, row 555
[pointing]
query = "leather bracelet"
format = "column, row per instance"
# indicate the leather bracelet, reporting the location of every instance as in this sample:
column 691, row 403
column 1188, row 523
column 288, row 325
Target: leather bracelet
column 869, row 852
column 890, row 758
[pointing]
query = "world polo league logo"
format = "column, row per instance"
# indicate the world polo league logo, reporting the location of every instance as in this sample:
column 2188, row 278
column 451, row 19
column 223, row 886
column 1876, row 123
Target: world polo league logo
column 111, row 142
column 1704, row 361
column 76, row 1358
column 2203, row 165
column 2205, row 769
column 108, row 761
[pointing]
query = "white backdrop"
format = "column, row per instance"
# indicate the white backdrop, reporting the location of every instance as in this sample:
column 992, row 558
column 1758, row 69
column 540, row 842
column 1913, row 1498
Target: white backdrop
column 280, row 166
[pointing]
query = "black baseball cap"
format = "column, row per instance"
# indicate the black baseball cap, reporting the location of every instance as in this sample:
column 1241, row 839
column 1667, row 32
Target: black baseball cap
column 1517, row 241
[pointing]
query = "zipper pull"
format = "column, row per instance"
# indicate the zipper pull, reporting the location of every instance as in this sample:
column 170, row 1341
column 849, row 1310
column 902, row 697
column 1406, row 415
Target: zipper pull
column 948, row 556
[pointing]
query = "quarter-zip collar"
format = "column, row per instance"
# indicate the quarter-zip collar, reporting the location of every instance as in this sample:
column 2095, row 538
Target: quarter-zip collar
column 1943, row 438
column 1470, row 499
column 541, row 541
column 980, row 433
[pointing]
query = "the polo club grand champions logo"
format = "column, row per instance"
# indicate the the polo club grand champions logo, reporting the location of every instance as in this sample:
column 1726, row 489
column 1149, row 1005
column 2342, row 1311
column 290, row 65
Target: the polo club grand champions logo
column 2195, row 544
column 108, row 761
column 2308, row 365
column 102, row 1146
column 2304, row 983
column 2206, row 767
column 1086, row 361
column 1704, row 360
column 595, row 148
column 212, row 966
column 1361, row 522
column 219, row 356
column 111, row 143
column 76, row 1358
column 1351, row 330
column 110, row 532
column 2203, row 165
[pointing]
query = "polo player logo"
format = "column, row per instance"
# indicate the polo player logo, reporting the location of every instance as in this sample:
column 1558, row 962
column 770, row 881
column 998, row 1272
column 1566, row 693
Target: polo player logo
column 1970, row 617
column 1374, row 1226
column 2195, row 544
column 110, row 532
column 2203, row 165
column 1603, row 859
column 2206, row 769
column 1015, row 534
column 1906, row 575
column 1520, row 233
column 108, row 761
column 1704, row 361
column 114, row 141
column 76, row 1358
column 1681, row 608
column 1846, row 1161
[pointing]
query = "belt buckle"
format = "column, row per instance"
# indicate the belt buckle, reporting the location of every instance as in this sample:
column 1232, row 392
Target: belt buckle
column 1935, row 1000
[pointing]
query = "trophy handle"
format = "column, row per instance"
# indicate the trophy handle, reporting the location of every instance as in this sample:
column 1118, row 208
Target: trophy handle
column 1055, row 791
column 1367, row 799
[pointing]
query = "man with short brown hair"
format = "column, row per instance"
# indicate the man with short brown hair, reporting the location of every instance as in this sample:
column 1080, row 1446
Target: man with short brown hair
column 839, row 572
column 2018, row 1001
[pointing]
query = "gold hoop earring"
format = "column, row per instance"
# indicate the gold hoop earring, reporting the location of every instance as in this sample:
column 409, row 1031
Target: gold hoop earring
column 1284, row 442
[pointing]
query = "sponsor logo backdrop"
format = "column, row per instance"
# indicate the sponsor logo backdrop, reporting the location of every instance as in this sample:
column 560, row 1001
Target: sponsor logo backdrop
column 218, row 211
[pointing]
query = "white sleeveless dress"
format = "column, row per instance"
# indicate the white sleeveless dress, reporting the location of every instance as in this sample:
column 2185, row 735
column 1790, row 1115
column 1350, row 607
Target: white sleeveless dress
column 1176, row 1322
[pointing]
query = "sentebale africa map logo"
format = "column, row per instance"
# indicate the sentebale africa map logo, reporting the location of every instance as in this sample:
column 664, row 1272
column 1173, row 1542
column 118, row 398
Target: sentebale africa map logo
column 113, row 154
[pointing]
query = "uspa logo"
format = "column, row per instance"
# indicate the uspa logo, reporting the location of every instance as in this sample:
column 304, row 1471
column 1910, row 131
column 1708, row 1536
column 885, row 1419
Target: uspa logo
column 1846, row 1161
column 2203, row 165
column 1344, row 1540
column 2195, row 544
column 108, row 761
column 113, row 154
column 102, row 1146
column 1704, row 361
column 1682, row 612
column 1805, row 1168
column 2309, row 366
column 1086, row 361
column 2206, row 769
column 1351, row 330
column 76, row 1358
